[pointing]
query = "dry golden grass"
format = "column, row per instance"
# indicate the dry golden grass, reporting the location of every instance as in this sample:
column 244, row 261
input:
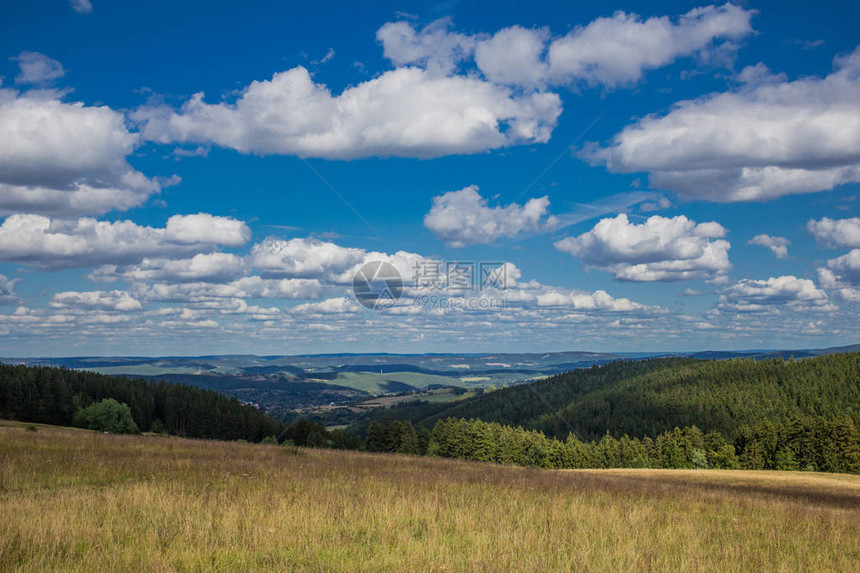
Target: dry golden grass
column 72, row 500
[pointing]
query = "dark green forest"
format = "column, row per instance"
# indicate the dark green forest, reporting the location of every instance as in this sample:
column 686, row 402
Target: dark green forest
column 799, row 443
column 650, row 397
column 683, row 413
column 808, row 443
column 657, row 413
column 55, row 395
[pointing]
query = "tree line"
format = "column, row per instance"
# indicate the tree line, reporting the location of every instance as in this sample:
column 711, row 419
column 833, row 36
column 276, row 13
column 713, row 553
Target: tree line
column 57, row 395
column 770, row 414
column 811, row 423
column 800, row 443
column 808, row 443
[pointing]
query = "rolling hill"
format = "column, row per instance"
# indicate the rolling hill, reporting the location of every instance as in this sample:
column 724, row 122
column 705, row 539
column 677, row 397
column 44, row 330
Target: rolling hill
column 296, row 384
column 647, row 397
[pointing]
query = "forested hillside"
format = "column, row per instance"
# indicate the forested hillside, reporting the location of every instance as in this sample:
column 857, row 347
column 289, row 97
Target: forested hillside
column 56, row 395
column 650, row 397
column 516, row 405
column 658, row 413
column 716, row 395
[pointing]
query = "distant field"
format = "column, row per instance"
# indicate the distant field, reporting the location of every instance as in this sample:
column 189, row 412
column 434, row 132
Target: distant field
column 142, row 370
column 73, row 500
column 444, row 395
column 380, row 383
column 376, row 383
column 355, row 410
column 437, row 395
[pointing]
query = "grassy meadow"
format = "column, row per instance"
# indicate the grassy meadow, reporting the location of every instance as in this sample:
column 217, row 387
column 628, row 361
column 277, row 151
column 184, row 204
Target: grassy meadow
column 73, row 500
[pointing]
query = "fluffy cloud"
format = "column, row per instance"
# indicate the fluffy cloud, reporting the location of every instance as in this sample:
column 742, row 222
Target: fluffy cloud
column 836, row 233
column 843, row 289
column 189, row 325
column 96, row 300
column 38, row 68
column 66, row 159
column 843, row 276
column 424, row 108
column 463, row 218
column 435, row 47
column 67, row 323
column 303, row 257
column 48, row 141
column 338, row 305
column 246, row 287
column 44, row 243
column 610, row 51
column 407, row 112
column 581, row 300
column 615, row 51
column 81, row 6
column 205, row 267
column 203, row 228
column 848, row 266
column 778, row 245
column 7, row 291
column 526, row 301
column 514, row 56
column 659, row 249
column 324, row 260
column 756, row 143
column 772, row 295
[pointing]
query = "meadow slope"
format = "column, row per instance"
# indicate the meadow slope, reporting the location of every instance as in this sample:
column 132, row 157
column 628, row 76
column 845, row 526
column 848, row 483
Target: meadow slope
column 74, row 500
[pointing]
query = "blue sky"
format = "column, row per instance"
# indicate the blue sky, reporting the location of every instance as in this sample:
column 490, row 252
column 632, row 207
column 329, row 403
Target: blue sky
column 195, row 178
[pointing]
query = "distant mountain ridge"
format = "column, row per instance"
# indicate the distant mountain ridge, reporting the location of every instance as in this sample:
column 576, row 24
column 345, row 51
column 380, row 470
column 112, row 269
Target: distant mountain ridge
column 307, row 380
column 536, row 360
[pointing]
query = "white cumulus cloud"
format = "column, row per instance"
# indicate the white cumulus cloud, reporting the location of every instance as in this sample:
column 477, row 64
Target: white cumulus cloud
column 407, row 112
column 434, row 47
column 611, row 51
column 773, row 294
column 617, row 50
column 206, row 267
column 66, row 159
column 338, row 305
column 464, row 217
column 581, row 300
column 246, row 287
column 660, row 249
column 7, row 290
column 323, row 260
column 46, row 243
column 753, row 144
column 843, row 289
column 836, row 232
column 777, row 245
column 96, row 300
column 514, row 56
column 203, row 228
column 301, row 257
column 847, row 267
